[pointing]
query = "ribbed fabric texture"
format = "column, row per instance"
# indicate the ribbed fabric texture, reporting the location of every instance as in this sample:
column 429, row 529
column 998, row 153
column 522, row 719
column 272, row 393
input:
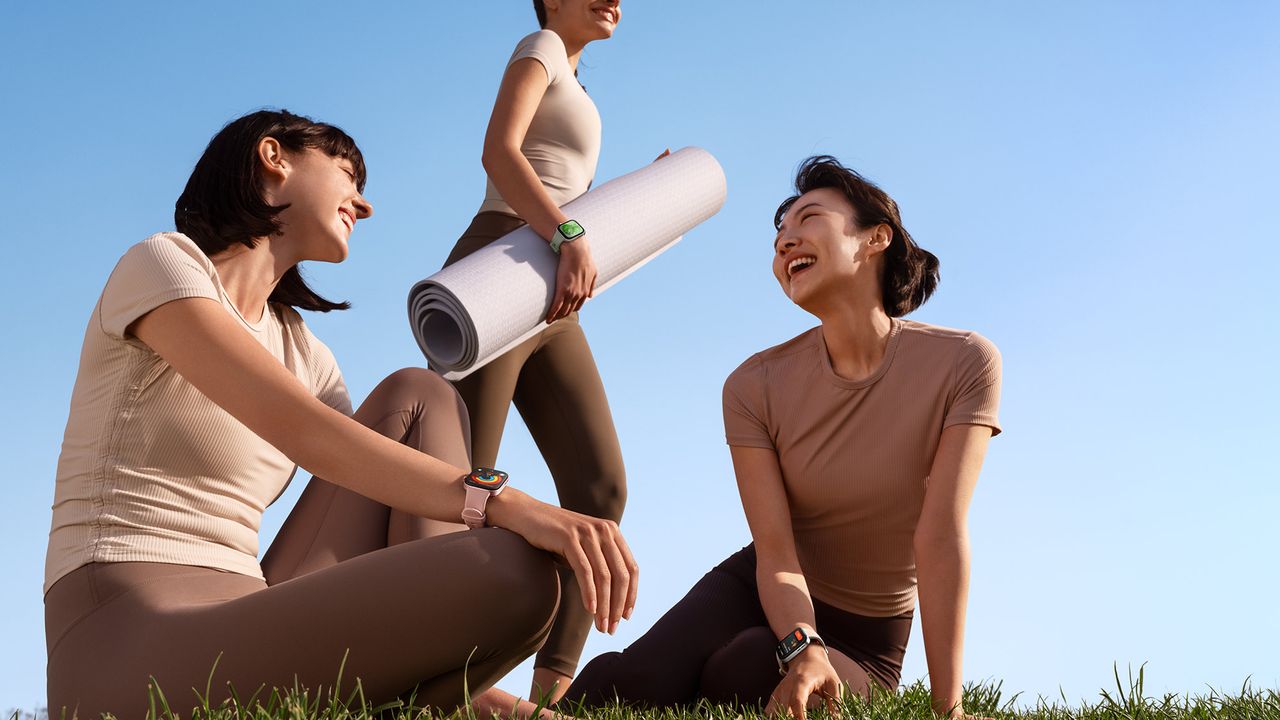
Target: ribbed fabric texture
column 152, row 470
column 563, row 140
column 855, row 456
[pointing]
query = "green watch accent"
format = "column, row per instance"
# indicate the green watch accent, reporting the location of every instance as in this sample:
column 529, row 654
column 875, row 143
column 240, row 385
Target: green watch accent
column 567, row 231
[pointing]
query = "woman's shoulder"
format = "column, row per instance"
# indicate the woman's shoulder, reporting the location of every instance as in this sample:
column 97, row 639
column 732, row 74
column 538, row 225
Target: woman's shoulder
column 939, row 335
column 547, row 48
column 758, row 363
column 168, row 247
column 968, row 350
column 543, row 39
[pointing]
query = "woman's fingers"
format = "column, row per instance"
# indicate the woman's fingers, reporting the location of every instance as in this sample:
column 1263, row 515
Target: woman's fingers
column 620, row 569
column 602, row 575
column 633, row 571
column 831, row 693
column 557, row 302
column 799, row 700
column 581, row 565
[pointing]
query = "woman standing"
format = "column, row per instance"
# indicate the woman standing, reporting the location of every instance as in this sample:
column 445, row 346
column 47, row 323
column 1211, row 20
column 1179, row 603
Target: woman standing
column 200, row 390
column 540, row 152
column 856, row 447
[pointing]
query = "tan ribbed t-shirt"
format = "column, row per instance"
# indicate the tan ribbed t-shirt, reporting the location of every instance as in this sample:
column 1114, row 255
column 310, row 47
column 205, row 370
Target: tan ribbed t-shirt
column 855, row 456
column 563, row 141
column 152, row 470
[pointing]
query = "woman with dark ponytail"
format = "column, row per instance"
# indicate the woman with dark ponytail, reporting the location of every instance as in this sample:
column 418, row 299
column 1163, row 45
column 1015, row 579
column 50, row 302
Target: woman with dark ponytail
column 856, row 446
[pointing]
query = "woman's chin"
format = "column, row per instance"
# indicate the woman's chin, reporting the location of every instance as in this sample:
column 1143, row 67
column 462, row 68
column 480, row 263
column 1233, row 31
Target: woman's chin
column 335, row 253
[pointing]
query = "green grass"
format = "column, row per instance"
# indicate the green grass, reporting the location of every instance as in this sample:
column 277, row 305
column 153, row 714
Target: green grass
column 1127, row 701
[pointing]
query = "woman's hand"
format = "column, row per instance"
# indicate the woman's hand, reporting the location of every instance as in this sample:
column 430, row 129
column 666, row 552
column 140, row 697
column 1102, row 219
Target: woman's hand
column 808, row 675
column 607, row 573
column 575, row 279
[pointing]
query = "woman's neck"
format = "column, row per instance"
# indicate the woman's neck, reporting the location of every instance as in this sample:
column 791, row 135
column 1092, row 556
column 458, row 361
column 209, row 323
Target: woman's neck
column 572, row 47
column 249, row 275
column 856, row 335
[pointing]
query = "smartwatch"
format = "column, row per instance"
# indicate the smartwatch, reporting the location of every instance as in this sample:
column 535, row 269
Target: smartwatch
column 567, row 231
column 794, row 643
column 481, row 484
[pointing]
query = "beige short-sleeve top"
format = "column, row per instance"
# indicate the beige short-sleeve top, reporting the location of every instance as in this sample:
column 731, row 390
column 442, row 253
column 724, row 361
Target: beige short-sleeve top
column 855, row 455
column 563, row 141
column 151, row 470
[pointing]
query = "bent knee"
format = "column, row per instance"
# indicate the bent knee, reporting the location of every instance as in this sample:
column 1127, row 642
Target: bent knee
column 420, row 382
column 603, row 495
column 742, row 672
column 516, row 569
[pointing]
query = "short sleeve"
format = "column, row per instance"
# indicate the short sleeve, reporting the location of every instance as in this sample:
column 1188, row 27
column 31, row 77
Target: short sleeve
column 744, row 407
column 545, row 47
column 327, row 384
column 323, row 377
column 976, row 394
column 158, row 270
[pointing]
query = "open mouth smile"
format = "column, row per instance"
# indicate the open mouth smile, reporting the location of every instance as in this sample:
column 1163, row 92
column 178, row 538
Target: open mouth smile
column 800, row 264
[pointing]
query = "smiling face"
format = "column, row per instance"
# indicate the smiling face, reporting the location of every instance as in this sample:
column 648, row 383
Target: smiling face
column 820, row 253
column 324, row 202
column 582, row 21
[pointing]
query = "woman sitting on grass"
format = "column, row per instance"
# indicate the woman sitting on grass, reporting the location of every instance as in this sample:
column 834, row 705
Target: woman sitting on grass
column 856, row 447
column 199, row 389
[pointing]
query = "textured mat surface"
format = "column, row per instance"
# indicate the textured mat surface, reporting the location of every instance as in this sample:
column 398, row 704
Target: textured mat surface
column 497, row 297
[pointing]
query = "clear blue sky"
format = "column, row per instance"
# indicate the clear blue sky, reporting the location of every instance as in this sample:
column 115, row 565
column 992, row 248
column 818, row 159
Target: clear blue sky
column 1098, row 178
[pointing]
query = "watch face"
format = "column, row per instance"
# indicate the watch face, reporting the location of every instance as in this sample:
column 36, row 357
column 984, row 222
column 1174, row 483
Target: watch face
column 792, row 643
column 571, row 229
column 487, row 479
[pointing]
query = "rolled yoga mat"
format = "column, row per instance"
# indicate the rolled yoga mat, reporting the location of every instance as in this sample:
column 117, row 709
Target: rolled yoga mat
column 497, row 297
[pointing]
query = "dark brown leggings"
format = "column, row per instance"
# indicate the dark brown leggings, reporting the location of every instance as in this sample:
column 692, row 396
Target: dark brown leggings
column 716, row 644
column 553, row 380
column 346, row 576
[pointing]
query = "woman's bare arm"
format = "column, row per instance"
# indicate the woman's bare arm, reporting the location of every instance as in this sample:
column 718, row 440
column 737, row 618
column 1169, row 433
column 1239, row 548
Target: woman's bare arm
column 522, row 89
column 205, row 345
column 523, row 86
column 784, row 593
column 942, row 559
column 201, row 341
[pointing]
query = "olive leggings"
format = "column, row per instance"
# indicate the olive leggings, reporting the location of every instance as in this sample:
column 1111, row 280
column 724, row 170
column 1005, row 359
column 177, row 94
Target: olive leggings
column 346, row 576
column 553, row 380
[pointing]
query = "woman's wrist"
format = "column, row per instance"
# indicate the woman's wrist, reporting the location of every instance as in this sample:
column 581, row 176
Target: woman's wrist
column 508, row 509
column 815, row 653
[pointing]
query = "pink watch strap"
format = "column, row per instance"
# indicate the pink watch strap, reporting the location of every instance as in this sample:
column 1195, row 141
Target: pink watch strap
column 473, row 510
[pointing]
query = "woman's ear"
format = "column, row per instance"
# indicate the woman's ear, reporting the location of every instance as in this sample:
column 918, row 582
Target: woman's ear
column 275, row 166
column 878, row 241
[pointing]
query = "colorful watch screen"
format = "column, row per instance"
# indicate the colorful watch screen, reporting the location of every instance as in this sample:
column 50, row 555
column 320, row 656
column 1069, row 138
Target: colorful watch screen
column 570, row 229
column 792, row 643
column 487, row 479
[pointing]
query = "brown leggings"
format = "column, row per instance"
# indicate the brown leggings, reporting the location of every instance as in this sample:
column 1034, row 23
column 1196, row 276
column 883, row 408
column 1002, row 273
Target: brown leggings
column 346, row 576
column 716, row 644
column 553, row 380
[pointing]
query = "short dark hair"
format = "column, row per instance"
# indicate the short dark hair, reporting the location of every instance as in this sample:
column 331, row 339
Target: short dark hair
column 909, row 274
column 222, row 203
column 540, row 8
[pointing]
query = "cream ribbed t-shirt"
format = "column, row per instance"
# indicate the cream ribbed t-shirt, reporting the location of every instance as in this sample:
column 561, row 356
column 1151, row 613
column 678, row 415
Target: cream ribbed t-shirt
column 855, row 456
column 152, row 470
column 563, row 141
